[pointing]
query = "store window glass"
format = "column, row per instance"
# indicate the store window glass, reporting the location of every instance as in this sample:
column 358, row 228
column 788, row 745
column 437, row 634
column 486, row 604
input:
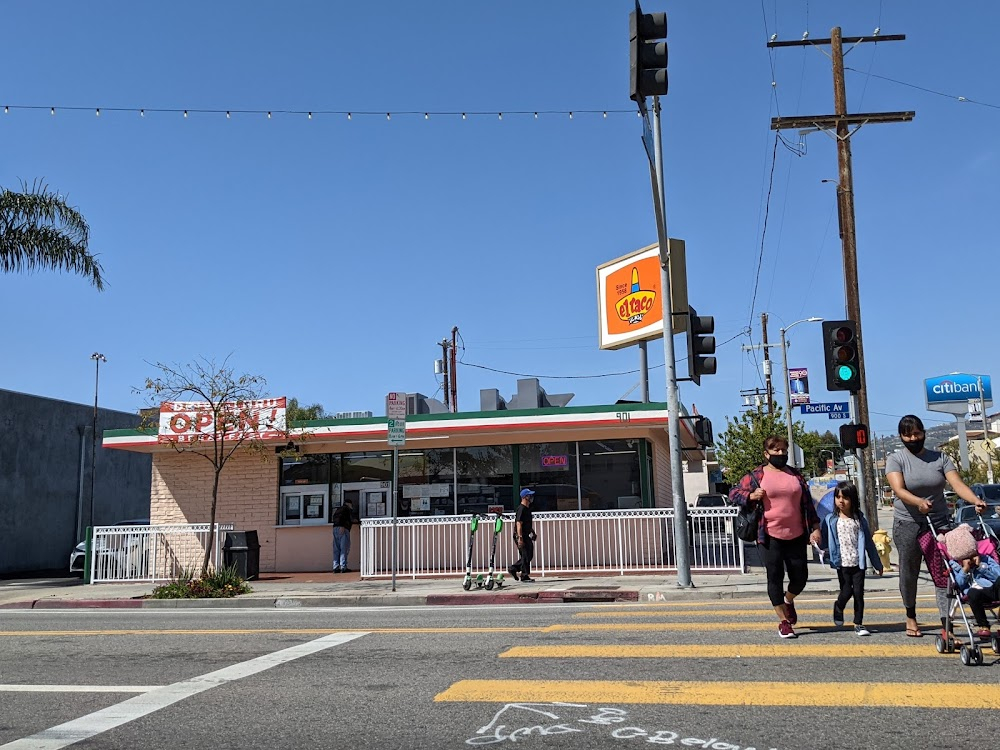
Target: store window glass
column 426, row 482
column 485, row 478
column 313, row 468
column 550, row 470
column 366, row 467
column 609, row 474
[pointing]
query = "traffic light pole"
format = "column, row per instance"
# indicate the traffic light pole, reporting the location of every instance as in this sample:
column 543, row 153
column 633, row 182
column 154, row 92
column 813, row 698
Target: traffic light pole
column 670, row 365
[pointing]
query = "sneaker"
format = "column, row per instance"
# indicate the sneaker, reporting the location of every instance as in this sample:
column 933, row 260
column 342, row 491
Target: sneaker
column 336, row 570
column 793, row 616
column 785, row 629
column 513, row 573
column 525, row 579
column 838, row 616
column 861, row 630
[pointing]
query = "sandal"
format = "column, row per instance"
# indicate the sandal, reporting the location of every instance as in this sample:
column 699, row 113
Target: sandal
column 914, row 633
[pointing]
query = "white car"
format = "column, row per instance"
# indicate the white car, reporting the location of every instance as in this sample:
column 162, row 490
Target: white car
column 76, row 557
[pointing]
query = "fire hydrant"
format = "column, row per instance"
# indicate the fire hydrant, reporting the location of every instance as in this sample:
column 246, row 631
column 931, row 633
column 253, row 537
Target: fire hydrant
column 883, row 545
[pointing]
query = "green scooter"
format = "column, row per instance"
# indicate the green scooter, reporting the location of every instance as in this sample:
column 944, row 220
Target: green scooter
column 467, row 582
column 493, row 578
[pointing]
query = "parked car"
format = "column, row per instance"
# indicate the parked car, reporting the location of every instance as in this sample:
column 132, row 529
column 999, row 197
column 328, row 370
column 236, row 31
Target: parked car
column 967, row 514
column 702, row 524
column 988, row 492
column 76, row 557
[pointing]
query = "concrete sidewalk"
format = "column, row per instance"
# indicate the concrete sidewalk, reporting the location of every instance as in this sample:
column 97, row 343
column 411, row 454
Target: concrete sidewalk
column 289, row 590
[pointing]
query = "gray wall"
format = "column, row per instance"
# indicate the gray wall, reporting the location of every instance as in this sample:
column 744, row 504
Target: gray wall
column 43, row 481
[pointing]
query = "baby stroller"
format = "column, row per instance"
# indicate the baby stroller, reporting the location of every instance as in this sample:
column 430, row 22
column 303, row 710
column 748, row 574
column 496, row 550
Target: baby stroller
column 970, row 653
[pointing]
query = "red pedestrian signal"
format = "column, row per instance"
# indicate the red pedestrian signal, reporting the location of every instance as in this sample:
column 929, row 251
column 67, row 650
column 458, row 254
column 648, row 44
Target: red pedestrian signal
column 854, row 436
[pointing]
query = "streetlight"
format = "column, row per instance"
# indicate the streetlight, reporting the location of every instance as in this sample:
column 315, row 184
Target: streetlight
column 98, row 358
column 833, row 458
column 788, row 395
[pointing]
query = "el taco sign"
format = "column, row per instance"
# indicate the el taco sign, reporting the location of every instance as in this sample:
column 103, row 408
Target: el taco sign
column 195, row 421
column 629, row 305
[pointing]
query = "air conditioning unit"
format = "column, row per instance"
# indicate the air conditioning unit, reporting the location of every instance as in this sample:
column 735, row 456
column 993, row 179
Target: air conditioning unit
column 353, row 415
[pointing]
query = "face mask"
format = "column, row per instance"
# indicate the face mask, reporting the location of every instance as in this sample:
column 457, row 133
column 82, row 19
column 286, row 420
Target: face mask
column 778, row 462
column 915, row 447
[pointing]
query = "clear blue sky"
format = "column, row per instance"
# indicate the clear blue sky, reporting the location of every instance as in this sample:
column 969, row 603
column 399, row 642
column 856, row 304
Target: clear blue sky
column 331, row 256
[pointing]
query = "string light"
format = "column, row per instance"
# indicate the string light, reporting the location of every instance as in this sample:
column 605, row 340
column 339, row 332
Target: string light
column 388, row 116
column 571, row 115
column 142, row 113
column 348, row 115
column 536, row 115
column 310, row 115
column 463, row 115
column 228, row 115
column 426, row 116
column 6, row 110
column 499, row 115
column 605, row 115
column 97, row 111
column 185, row 113
column 268, row 115
column 52, row 110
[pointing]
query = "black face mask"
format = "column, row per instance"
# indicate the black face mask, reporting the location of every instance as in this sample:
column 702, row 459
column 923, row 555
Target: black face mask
column 778, row 462
column 915, row 447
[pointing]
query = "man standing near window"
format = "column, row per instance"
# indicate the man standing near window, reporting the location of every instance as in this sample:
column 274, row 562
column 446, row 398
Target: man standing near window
column 342, row 520
column 524, row 538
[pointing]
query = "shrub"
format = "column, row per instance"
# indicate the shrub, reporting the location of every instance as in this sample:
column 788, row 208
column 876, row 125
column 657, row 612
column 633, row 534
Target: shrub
column 216, row 584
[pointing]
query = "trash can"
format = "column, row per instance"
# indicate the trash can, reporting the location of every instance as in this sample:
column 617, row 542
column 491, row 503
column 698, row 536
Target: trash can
column 242, row 549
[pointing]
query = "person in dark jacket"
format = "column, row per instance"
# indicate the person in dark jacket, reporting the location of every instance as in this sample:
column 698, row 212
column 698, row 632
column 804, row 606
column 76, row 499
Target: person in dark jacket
column 342, row 521
column 788, row 524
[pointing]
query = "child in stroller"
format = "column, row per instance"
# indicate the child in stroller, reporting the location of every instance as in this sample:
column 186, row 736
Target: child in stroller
column 976, row 573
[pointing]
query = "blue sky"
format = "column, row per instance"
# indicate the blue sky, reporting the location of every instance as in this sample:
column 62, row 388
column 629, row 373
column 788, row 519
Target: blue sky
column 331, row 255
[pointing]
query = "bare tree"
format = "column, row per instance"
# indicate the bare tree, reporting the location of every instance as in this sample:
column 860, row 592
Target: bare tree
column 206, row 409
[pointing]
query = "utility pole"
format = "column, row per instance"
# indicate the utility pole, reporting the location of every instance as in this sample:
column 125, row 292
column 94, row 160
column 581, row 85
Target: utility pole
column 454, row 372
column 841, row 122
column 444, row 371
column 767, row 366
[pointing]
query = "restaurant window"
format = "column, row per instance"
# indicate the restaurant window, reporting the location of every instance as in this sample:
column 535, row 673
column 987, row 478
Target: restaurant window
column 609, row 474
column 485, row 478
column 304, row 497
column 313, row 468
column 550, row 470
column 426, row 482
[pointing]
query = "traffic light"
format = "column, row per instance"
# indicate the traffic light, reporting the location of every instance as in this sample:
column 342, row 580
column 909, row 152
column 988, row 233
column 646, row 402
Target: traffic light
column 700, row 345
column 840, row 348
column 854, row 436
column 648, row 58
column 703, row 431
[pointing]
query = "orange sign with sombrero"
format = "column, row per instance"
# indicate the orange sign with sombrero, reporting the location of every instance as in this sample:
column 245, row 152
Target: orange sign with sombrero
column 628, row 296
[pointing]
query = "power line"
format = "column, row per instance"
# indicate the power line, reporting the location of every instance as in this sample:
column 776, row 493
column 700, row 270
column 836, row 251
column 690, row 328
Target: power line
column 927, row 90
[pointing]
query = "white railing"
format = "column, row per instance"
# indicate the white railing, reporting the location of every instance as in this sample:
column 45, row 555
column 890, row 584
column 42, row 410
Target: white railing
column 122, row 554
column 610, row 541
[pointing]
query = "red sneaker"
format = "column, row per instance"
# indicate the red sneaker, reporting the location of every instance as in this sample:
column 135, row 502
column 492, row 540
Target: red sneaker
column 785, row 629
column 793, row 616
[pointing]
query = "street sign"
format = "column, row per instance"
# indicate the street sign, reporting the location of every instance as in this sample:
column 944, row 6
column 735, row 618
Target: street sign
column 839, row 415
column 395, row 411
column 830, row 408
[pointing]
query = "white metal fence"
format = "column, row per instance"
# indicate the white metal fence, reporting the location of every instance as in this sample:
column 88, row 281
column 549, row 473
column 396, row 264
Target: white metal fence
column 611, row 541
column 152, row 553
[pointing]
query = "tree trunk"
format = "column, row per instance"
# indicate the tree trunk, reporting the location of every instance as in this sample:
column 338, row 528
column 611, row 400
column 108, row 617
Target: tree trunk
column 211, row 523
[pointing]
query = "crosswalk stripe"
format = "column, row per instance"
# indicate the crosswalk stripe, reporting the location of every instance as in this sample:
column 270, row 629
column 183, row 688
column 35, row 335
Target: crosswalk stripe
column 850, row 650
column 641, row 612
column 711, row 693
column 695, row 625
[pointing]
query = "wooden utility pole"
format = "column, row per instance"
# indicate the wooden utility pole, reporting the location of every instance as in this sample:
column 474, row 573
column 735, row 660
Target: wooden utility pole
column 454, row 372
column 841, row 122
column 767, row 366
column 444, row 371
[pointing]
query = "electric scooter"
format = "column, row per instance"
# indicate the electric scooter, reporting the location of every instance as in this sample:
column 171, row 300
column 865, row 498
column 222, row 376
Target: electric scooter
column 493, row 578
column 474, row 524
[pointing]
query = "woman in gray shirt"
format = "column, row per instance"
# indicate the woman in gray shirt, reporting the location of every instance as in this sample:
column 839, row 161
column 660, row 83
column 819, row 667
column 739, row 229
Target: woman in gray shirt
column 917, row 477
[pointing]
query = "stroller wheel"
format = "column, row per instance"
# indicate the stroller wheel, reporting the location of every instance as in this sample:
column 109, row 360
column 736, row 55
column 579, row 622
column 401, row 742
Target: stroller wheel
column 939, row 644
column 977, row 655
column 967, row 656
column 995, row 643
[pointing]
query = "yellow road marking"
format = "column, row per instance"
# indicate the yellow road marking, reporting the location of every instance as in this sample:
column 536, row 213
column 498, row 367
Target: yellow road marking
column 695, row 625
column 731, row 602
column 249, row 631
column 925, row 613
column 839, row 694
column 723, row 651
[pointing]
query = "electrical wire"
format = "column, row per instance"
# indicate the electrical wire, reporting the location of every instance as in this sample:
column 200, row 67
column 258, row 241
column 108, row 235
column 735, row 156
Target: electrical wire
column 963, row 99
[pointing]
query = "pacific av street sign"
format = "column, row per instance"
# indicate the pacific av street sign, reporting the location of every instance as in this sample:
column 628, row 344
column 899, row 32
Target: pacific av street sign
column 836, row 410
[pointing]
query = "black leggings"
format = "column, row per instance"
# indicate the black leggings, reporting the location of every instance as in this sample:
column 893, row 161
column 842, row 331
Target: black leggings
column 852, row 583
column 781, row 555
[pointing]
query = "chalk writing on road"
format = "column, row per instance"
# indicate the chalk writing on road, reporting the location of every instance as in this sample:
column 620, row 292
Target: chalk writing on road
column 579, row 717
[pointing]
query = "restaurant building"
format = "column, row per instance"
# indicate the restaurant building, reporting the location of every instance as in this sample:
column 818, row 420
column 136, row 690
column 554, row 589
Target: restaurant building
column 575, row 458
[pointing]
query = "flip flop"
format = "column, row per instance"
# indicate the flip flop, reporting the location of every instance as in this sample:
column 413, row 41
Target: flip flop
column 914, row 633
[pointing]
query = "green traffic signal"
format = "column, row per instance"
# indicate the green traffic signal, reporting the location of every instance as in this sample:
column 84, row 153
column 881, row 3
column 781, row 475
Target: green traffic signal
column 845, row 372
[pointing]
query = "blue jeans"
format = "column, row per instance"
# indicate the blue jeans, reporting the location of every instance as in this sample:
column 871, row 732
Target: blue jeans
column 341, row 547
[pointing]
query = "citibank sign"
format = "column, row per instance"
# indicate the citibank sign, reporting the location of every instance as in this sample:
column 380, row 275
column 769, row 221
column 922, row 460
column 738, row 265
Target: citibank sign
column 956, row 388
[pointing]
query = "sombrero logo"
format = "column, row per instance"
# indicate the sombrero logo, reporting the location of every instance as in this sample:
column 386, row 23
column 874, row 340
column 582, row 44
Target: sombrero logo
column 634, row 306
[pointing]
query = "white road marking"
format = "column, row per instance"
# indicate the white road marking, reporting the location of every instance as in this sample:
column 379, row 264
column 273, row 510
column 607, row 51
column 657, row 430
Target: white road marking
column 78, row 688
column 108, row 718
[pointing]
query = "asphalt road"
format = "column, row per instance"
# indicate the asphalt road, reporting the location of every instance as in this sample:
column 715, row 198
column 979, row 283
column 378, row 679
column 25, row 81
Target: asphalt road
column 588, row 676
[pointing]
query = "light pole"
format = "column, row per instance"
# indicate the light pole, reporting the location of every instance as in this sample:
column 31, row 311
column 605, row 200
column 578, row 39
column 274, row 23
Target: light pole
column 98, row 358
column 788, row 395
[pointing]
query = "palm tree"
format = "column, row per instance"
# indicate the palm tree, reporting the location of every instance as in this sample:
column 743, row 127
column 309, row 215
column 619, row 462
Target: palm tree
column 39, row 230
